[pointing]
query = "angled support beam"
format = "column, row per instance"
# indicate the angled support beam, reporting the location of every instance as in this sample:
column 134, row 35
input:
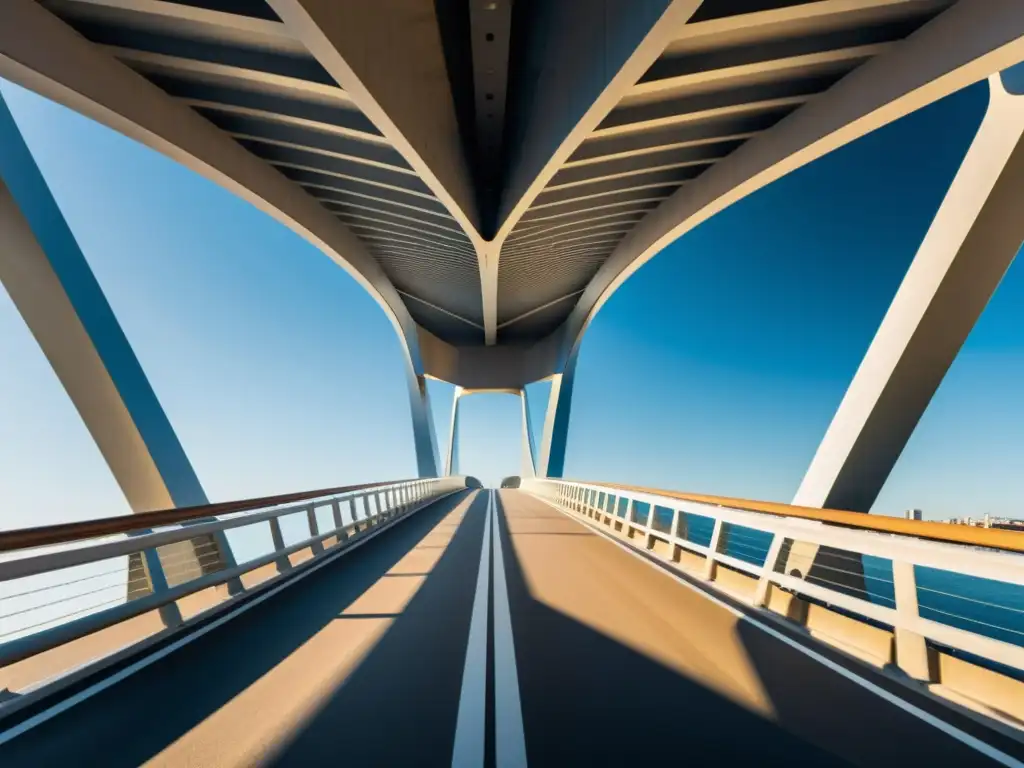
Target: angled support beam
column 580, row 61
column 970, row 244
column 529, row 463
column 423, row 436
column 451, row 463
column 556, row 422
column 964, row 44
column 50, row 282
column 40, row 52
column 388, row 56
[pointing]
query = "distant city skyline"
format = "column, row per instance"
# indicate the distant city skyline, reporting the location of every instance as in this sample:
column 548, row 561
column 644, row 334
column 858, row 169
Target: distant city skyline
column 716, row 368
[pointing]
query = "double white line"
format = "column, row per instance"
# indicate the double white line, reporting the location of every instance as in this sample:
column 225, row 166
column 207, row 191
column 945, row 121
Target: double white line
column 471, row 724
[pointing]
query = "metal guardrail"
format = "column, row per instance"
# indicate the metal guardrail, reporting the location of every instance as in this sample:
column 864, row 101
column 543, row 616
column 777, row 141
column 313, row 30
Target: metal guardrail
column 100, row 598
column 995, row 538
column 955, row 595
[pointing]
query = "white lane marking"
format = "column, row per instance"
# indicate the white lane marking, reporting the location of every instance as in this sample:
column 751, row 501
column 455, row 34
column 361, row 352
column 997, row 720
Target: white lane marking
column 102, row 685
column 936, row 722
column 471, row 722
column 509, row 738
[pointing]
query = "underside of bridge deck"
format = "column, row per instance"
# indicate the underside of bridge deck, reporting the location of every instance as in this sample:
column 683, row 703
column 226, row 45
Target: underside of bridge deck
column 492, row 170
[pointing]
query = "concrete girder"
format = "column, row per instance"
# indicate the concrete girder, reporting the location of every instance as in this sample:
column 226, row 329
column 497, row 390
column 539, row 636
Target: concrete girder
column 970, row 244
column 505, row 367
column 451, row 462
column 555, row 439
column 962, row 45
column 528, row 461
column 389, row 57
column 424, row 438
column 602, row 49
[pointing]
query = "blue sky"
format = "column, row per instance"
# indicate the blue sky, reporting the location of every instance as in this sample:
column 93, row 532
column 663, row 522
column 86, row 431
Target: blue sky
column 716, row 368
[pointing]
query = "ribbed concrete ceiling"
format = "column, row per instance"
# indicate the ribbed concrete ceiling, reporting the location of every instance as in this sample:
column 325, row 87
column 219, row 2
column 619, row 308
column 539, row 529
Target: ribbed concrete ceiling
column 733, row 70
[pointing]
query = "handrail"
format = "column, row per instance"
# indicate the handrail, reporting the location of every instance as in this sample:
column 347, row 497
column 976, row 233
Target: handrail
column 777, row 546
column 382, row 505
column 994, row 538
column 63, row 533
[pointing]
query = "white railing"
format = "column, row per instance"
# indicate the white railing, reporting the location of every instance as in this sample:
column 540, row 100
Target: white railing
column 964, row 597
column 53, row 595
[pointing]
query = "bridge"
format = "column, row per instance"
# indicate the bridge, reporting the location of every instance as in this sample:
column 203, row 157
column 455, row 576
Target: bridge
column 491, row 173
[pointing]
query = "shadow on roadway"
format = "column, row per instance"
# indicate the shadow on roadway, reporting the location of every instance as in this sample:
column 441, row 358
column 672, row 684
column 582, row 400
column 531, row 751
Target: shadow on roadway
column 590, row 700
column 731, row 695
column 397, row 700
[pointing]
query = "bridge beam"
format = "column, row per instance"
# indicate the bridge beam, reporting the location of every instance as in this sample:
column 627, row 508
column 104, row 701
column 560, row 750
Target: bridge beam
column 49, row 280
column 529, row 463
column 451, row 463
column 388, row 56
column 970, row 244
column 424, row 439
column 556, row 422
column 578, row 60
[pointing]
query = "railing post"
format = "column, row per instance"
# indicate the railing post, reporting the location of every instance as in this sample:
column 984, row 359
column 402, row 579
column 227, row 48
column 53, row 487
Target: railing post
column 911, row 648
column 366, row 510
column 353, row 508
column 282, row 562
column 673, row 534
column 765, row 581
column 314, row 530
column 339, row 524
column 716, row 537
column 170, row 614
column 649, row 528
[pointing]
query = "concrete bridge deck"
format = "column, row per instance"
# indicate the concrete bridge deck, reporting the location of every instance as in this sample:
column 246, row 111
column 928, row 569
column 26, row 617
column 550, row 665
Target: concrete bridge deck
column 365, row 660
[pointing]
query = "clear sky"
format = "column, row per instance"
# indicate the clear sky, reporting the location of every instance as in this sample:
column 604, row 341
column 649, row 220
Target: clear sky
column 716, row 368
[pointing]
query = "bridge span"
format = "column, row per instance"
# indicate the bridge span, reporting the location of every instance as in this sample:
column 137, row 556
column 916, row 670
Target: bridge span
column 491, row 173
column 469, row 627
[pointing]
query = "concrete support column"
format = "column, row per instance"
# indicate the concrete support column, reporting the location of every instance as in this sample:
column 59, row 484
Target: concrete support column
column 423, row 436
column 451, row 463
column 50, row 282
column 526, row 439
column 556, row 422
column 973, row 239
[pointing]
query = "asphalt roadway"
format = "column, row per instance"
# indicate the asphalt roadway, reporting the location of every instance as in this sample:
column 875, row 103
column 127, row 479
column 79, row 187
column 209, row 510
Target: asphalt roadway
column 567, row 650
